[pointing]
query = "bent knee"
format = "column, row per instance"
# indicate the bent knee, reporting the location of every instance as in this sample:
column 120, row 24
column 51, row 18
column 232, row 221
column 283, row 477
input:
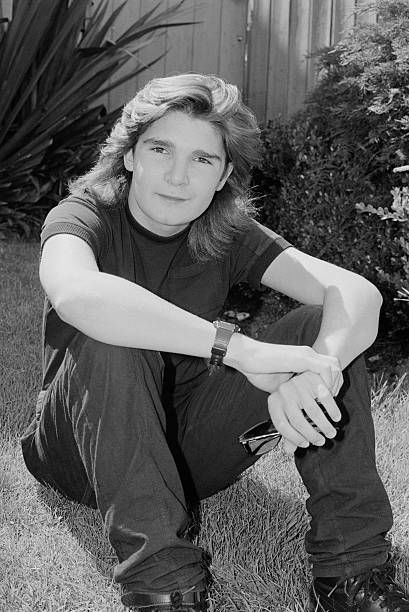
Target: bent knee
column 300, row 326
column 86, row 350
column 306, row 321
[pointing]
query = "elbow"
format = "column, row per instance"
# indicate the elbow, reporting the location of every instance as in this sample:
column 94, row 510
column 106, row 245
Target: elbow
column 365, row 293
column 74, row 304
column 374, row 298
column 376, row 295
column 63, row 306
column 372, row 302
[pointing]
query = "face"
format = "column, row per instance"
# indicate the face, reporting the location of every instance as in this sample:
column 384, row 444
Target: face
column 177, row 165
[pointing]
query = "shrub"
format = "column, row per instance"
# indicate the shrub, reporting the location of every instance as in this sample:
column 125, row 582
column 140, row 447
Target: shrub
column 340, row 151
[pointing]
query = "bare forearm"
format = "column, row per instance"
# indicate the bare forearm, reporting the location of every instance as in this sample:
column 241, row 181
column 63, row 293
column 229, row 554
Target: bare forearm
column 115, row 311
column 350, row 322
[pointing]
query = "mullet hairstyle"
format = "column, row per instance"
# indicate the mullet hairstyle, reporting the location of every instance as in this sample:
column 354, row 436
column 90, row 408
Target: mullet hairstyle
column 203, row 96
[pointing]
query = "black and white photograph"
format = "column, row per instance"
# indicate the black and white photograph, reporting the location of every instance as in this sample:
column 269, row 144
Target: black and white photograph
column 204, row 305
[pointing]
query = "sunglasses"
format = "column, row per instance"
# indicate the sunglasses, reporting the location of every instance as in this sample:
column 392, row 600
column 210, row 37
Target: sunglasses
column 264, row 437
column 260, row 439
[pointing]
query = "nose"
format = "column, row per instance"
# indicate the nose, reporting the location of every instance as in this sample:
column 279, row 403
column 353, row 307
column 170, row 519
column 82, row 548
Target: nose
column 177, row 172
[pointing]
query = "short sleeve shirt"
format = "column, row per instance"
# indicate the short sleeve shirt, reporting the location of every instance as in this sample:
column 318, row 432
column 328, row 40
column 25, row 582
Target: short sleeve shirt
column 162, row 265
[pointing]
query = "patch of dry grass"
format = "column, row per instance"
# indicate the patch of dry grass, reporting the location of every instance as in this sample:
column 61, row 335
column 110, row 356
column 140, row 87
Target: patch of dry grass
column 53, row 553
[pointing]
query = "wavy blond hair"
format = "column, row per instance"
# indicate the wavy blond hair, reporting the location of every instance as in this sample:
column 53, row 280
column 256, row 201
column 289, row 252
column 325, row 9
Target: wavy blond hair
column 206, row 97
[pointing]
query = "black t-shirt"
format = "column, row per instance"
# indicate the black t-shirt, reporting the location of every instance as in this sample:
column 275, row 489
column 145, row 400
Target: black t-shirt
column 163, row 265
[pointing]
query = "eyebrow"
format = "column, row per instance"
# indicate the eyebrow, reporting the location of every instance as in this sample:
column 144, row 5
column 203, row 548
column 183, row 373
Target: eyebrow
column 167, row 143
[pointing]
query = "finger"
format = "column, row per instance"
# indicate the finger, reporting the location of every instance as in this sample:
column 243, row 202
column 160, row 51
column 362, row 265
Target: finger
column 328, row 372
column 293, row 399
column 314, row 392
column 289, row 447
column 331, row 372
column 324, row 397
column 309, row 386
column 299, row 422
column 280, row 421
column 318, row 418
column 338, row 385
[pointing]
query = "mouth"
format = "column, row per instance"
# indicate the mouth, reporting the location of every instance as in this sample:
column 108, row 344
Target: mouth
column 171, row 198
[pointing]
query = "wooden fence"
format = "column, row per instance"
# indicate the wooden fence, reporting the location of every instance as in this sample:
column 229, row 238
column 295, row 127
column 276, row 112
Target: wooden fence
column 261, row 45
column 283, row 34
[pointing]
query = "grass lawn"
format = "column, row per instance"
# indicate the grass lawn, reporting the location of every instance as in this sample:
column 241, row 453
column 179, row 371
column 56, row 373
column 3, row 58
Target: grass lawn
column 53, row 553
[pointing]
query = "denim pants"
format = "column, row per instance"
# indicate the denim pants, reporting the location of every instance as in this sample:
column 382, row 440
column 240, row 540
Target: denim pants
column 130, row 433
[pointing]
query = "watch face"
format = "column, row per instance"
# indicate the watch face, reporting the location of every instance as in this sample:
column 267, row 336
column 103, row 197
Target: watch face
column 225, row 325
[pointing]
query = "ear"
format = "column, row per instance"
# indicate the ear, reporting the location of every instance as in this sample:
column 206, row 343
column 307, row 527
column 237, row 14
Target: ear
column 225, row 176
column 128, row 160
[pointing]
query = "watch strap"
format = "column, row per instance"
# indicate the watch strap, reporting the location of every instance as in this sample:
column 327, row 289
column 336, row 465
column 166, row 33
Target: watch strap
column 224, row 332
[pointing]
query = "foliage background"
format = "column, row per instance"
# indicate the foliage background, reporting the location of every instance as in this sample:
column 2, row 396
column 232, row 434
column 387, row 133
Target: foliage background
column 325, row 170
column 55, row 63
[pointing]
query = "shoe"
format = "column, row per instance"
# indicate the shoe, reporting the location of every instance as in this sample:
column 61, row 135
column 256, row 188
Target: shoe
column 190, row 600
column 373, row 591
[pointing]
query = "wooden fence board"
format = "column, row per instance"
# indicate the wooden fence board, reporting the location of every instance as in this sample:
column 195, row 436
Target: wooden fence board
column 258, row 57
column 279, row 58
column 321, row 30
column 298, row 48
column 150, row 53
column 206, row 43
column 232, row 41
column 343, row 18
column 179, row 57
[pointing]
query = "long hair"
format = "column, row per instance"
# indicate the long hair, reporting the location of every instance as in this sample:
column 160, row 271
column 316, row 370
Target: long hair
column 206, row 97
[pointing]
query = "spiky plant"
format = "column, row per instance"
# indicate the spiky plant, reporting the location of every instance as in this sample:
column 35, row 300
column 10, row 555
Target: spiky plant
column 54, row 66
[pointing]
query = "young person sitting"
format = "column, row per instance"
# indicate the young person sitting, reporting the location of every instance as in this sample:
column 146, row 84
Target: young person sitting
column 136, row 265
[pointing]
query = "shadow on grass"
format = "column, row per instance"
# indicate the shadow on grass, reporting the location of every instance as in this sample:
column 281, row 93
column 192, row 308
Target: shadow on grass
column 252, row 538
column 84, row 524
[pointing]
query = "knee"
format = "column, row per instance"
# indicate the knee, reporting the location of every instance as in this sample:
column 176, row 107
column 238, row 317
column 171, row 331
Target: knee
column 299, row 327
column 307, row 323
column 92, row 354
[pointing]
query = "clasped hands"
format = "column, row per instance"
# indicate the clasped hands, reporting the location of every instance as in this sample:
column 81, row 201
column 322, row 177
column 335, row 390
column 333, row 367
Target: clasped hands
column 294, row 394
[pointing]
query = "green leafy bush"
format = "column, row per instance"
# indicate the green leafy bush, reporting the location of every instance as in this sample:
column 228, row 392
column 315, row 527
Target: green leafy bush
column 54, row 65
column 334, row 160
column 398, row 213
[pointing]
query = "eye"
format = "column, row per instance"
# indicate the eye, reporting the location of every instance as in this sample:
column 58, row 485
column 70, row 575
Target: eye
column 203, row 160
column 159, row 149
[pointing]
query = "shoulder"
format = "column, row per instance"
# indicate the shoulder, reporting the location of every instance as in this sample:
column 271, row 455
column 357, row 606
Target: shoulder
column 257, row 237
column 78, row 207
column 82, row 217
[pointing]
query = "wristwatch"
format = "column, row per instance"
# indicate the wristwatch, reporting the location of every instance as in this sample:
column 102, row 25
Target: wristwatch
column 224, row 332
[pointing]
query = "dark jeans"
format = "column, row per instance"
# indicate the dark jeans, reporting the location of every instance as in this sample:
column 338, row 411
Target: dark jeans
column 128, row 432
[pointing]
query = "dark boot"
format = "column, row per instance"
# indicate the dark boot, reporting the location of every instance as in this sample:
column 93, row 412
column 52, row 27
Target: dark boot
column 188, row 600
column 373, row 591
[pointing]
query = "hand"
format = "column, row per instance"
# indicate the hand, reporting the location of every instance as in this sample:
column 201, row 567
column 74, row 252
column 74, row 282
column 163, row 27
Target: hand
column 268, row 382
column 267, row 358
column 295, row 397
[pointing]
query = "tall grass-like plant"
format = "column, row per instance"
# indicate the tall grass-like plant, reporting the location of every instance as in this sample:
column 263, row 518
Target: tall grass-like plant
column 54, row 66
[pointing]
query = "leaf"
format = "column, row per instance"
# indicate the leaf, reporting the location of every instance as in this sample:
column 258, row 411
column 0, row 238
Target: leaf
column 13, row 73
column 95, row 37
column 126, row 77
column 51, row 72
